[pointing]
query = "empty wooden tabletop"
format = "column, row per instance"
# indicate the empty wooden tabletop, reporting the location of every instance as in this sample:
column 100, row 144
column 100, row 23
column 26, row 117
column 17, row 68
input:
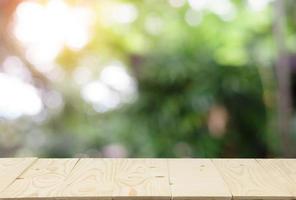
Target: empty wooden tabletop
column 164, row 179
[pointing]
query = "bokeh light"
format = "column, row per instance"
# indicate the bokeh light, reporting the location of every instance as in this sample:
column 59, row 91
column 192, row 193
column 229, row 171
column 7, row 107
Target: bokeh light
column 148, row 78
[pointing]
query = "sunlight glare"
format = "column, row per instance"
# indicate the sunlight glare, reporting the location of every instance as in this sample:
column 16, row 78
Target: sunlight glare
column 18, row 98
column 125, row 13
column 45, row 29
column 256, row 5
column 120, row 13
column 113, row 88
column 225, row 9
column 102, row 97
column 13, row 66
column 116, row 76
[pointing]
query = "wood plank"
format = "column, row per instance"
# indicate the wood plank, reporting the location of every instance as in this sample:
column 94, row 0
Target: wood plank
column 196, row 179
column 141, row 179
column 247, row 179
column 122, row 179
column 283, row 170
column 11, row 168
column 43, row 179
column 289, row 166
column 118, row 178
column 89, row 179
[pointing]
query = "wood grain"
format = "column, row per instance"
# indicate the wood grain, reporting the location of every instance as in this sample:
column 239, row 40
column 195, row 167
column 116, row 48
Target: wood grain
column 89, row 179
column 118, row 178
column 141, row 179
column 11, row 168
column 283, row 171
column 196, row 179
column 43, row 179
column 247, row 179
column 138, row 179
column 288, row 166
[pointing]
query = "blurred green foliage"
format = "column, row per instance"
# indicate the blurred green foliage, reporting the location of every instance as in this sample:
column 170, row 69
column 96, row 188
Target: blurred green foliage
column 204, row 90
column 182, row 74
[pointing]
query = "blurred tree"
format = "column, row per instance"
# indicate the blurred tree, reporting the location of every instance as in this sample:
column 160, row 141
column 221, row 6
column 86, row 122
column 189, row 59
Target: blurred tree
column 204, row 78
column 8, row 44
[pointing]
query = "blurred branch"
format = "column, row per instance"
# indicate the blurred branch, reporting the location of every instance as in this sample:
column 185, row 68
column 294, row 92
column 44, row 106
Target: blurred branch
column 283, row 78
column 14, row 49
column 9, row 45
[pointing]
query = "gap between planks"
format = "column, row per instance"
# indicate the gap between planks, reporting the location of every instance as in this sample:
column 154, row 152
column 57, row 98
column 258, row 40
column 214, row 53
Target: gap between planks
column 12, row 168
column 177, row 179
column 93, row 178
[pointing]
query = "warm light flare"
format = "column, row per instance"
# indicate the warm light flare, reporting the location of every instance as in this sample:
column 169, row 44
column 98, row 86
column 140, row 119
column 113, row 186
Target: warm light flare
column 18, row 98
column 45, row 29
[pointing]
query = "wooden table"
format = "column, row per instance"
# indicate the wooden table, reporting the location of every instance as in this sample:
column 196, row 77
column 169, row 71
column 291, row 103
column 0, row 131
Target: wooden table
column 181, row 179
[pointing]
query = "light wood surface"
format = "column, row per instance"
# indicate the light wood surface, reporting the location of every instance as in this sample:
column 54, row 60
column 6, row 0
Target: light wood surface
column 247, row 179
column 143, row 179
column 196, row 179
column 283, row 171
column 288, row 166
column 43, row 179
column 89, row 179
column 11, row 168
